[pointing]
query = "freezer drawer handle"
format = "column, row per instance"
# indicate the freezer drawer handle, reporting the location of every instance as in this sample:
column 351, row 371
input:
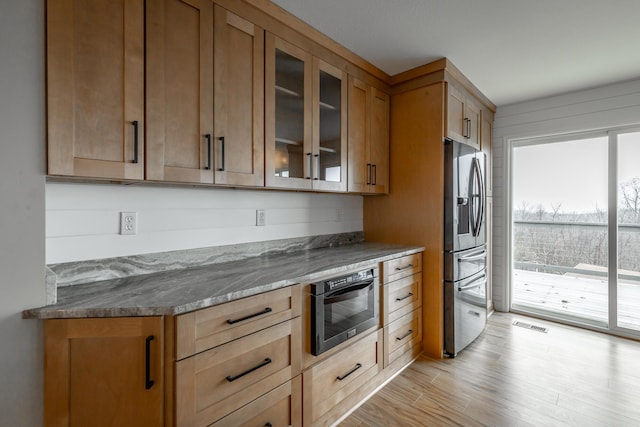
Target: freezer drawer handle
column 475, row 284
column 405, row 335
column 409, row 295
column 474, row 313
column 404, row 268
column 265, row 311
column 358, row 366
column 483, row 255
column 265, row 362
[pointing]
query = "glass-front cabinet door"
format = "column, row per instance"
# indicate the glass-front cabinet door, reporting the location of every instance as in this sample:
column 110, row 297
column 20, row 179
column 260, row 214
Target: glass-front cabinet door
column 329, row 127
column 305, row 126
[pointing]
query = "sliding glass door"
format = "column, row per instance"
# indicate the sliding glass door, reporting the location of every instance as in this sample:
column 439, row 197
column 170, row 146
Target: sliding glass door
column 575, row 227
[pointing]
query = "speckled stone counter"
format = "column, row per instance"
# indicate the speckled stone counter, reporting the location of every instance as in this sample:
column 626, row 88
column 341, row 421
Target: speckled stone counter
column 183, row 290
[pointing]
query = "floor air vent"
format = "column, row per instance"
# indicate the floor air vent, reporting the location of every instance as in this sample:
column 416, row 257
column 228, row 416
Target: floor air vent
column 529, row 326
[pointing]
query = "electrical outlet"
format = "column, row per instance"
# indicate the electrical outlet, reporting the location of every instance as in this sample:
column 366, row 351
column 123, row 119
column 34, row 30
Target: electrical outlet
column 128, row 222
column 260, row 217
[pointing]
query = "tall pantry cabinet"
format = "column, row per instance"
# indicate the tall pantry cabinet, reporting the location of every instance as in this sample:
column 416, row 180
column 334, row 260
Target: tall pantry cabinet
column 424, row 104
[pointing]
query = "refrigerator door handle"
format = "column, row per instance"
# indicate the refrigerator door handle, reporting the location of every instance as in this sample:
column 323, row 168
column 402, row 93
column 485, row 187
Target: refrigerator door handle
column 476, row 218
column 482, row 196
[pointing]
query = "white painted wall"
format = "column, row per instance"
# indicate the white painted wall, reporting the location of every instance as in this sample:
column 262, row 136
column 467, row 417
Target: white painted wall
column 610, row 106
column 83, row 220
column 22, row 138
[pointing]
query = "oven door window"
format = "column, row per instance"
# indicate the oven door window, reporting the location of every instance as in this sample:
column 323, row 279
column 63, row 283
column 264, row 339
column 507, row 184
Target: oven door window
column 347, row 308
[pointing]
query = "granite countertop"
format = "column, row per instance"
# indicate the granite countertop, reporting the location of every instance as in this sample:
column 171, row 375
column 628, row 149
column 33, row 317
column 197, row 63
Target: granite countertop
column 180, row 291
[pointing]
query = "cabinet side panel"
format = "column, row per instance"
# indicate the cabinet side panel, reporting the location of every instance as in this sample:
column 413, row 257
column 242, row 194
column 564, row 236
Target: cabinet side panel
column 416, row 201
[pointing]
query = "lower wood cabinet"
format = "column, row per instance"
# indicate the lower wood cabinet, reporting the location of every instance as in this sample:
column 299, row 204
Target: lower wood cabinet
column 104, row 372
column 402, row 335
column 340, row 377
column 282, row 406
column 235, row 364
column 214, row 383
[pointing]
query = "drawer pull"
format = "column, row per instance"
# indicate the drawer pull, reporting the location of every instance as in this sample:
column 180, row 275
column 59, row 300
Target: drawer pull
column 148, row 382
column 404, row 268
column 405, row 335
column 264, row 363
column 409, row 295
column 268, row 425
column 250, row 316
column 358, row 366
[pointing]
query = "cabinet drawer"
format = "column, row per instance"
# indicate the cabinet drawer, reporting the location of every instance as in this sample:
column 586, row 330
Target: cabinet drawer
column 401, row 297
column 280, row 407
column 401, row 267
column 212, row 384
column 402, row 335
column 332, row 380
column 204, row 329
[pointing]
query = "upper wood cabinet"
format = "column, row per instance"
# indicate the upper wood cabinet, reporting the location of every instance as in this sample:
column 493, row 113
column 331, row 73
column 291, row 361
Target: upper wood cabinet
column 239, row 100
column 205, row 95
column 306, row 120
column 95, row 88
column 179, row 91
column 463, row 117
column 368, row 138
column 104, row 372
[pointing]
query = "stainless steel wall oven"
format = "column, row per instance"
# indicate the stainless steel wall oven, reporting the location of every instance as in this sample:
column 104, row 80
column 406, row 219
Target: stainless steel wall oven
column 342, row 307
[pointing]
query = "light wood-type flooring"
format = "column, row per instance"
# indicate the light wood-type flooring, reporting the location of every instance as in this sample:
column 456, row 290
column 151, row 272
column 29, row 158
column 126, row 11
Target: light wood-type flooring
column 511, row 376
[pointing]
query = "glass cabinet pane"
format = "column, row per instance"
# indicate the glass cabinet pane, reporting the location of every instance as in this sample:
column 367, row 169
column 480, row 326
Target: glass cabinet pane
column 329, row 159
column 289, row 116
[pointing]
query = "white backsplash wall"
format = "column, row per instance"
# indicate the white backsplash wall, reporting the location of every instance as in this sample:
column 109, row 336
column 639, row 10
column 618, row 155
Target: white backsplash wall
column 83, row 220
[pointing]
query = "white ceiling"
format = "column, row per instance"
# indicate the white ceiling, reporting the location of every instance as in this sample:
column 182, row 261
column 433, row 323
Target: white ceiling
column 512, row 50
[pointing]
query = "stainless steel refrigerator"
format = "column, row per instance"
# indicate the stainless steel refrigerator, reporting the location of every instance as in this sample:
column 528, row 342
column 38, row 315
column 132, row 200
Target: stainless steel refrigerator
column 465, row 246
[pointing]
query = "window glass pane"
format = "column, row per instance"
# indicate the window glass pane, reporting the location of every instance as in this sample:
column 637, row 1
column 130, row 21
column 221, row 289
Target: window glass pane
column 629, row 230
column 560, row 239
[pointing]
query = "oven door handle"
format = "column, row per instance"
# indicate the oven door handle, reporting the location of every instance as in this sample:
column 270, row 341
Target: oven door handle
column 353, row 291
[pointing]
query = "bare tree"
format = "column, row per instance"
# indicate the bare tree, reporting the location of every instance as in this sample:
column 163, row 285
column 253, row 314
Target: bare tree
column 630, row 201
column 555, row 210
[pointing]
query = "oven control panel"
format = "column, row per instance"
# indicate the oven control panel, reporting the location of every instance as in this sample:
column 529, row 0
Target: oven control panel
column 340, row 282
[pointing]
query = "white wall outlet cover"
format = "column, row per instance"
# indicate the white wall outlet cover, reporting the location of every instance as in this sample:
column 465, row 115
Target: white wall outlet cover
column 128, row 223
column 260, row 217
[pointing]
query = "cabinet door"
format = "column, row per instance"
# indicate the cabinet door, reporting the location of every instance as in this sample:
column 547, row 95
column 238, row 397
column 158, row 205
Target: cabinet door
column 379, row 141
column 360, row 167
column 456, row 123
column 288, row 133
column 95, row 88
column 239, row 100
column 329, row 167
column 104, row 372
column 179, row 90
column 472, row 117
